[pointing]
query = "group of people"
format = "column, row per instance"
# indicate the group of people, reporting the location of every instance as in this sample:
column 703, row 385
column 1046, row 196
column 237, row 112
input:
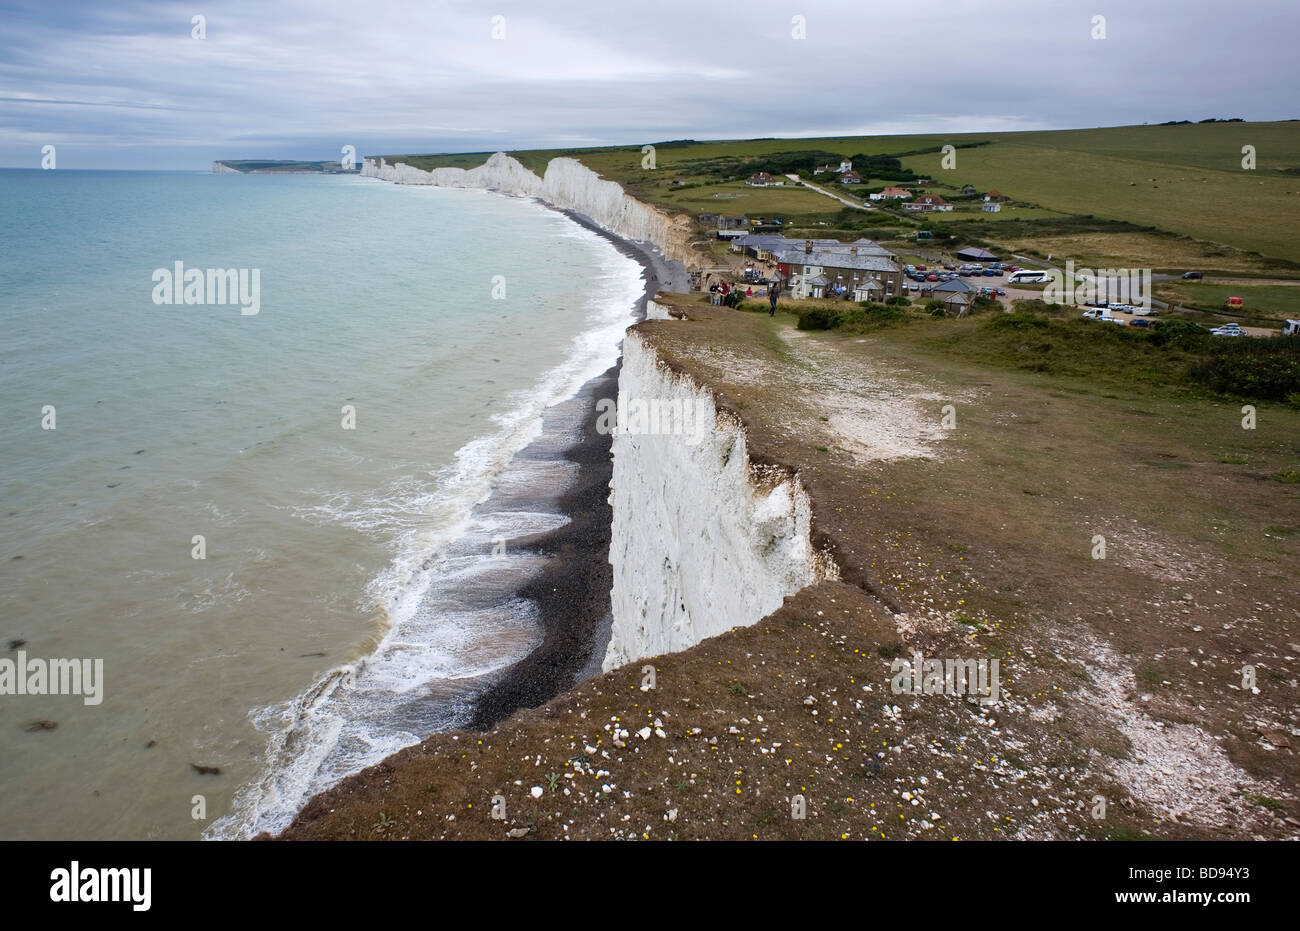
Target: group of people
column 720, row 292
column 726, row 294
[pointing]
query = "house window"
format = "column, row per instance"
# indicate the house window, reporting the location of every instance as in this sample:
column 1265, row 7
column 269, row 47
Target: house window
column 807, row 270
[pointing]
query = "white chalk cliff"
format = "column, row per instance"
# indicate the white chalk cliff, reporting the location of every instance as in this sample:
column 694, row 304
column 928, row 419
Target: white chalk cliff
column 703, row 540
column 568, row 184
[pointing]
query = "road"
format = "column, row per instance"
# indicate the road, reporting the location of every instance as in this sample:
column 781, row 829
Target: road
column 821, row 190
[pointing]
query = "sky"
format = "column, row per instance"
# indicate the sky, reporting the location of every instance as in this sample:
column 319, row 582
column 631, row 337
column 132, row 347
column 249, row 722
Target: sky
column 132, row 84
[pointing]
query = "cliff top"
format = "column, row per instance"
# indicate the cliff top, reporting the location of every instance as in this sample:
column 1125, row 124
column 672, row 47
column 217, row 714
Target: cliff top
column 1120, row 676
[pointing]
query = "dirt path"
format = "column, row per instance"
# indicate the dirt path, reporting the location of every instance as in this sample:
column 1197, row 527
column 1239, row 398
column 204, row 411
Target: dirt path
column 831, row 194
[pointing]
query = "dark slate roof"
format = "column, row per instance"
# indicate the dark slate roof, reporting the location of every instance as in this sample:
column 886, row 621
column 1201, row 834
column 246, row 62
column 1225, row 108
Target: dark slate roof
column 952, row 284
column 972, row 252
column 836, row 259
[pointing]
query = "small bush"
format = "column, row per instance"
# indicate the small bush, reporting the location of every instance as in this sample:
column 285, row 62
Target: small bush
column 1250, row 367
column 1177, row 331
column 898, row 301
column 819, row 318
column 871, row 316
column 1018, row 319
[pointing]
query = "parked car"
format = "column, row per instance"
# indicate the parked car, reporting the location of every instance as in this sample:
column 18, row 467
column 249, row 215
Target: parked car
column 1142, row 322
column 1194, row 275
column 1291, row 328
column 991, row 273
column 1144, row 312
column 1234, row 302
column 1228, row 329
column 1101, row 313
column 920, row 268
column 931, row 277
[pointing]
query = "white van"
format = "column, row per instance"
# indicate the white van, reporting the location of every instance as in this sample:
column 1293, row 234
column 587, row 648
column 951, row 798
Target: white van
column 1029, row 276
column 1291, row 328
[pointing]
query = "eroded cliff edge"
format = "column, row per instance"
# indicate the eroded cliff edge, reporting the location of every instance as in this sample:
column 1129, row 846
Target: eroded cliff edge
column 567, row 185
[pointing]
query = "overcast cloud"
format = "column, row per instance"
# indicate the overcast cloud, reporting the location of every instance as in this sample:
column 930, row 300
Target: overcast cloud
column 123, row 84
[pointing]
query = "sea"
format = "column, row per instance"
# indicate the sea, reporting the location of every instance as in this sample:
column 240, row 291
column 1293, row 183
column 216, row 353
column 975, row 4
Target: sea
column 271, row 520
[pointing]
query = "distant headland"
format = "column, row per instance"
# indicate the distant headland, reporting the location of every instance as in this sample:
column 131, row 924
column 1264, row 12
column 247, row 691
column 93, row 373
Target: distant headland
column 265, row 166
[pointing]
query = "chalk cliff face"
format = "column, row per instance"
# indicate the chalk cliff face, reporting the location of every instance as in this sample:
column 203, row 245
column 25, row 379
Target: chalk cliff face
column 221, row 168
column 568, row 184
column 703, row 540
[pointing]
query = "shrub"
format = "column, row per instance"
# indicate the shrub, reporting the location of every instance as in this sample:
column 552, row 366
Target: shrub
column 872, row 316
column 819, row 318
column 1268, row 369
column 1180, row 332
column 898, row 301
column 1018, row 319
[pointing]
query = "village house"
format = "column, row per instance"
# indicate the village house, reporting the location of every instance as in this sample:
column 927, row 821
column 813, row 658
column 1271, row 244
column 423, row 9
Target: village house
column 968, row 190
column 850, row 177
column 957, row 296
column 724, row 226
column 763, row 245
column 820, row 272
column 929, row 203
column 892, row 192
column 844, row 166
column 763, row 179
column 991, row 206
column 994, row 197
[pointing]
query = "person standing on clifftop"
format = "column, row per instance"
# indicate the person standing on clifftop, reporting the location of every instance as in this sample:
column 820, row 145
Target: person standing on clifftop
column 772, row 291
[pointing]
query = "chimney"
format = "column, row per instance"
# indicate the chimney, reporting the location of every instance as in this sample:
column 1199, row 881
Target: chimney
column 854, row 251
column 807, row 245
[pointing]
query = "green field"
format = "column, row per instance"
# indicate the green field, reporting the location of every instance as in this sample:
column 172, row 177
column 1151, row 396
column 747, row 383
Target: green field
column 1184, row 180
column 1266, row 302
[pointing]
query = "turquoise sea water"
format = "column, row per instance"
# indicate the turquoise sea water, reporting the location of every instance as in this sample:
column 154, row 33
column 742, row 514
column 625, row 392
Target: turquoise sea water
column 322, row 576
